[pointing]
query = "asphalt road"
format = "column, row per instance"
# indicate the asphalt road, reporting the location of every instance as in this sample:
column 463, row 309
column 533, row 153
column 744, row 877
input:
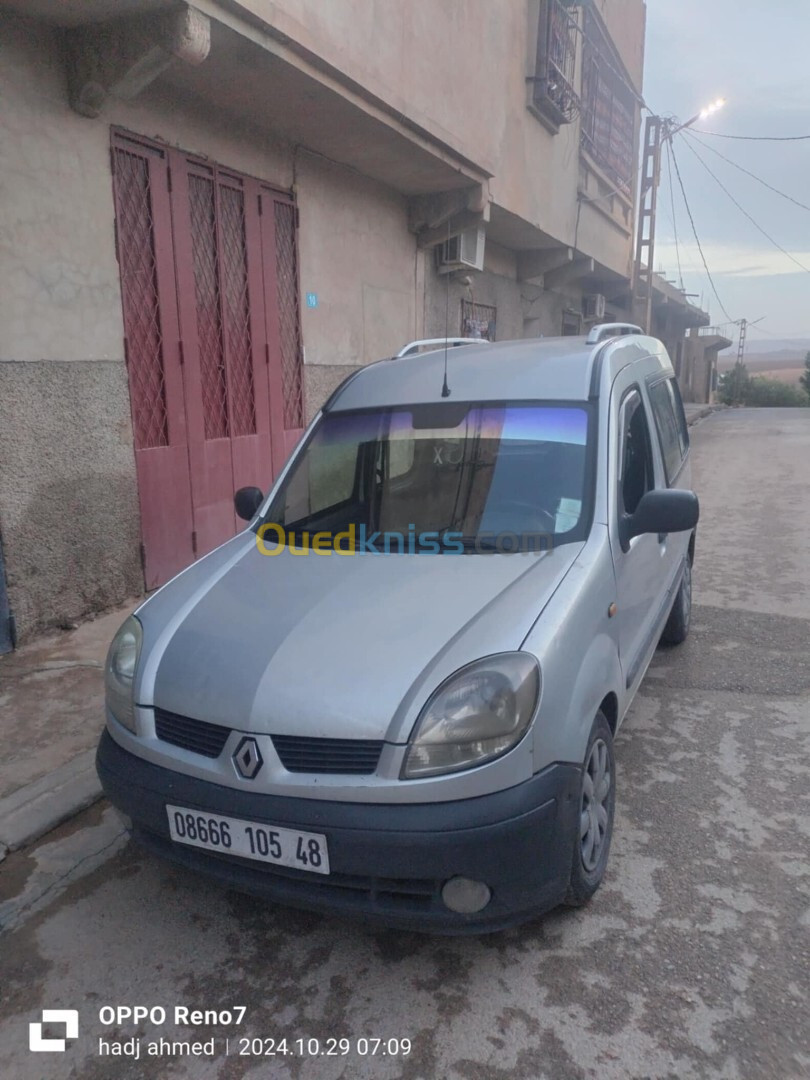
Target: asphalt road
column 692, row 961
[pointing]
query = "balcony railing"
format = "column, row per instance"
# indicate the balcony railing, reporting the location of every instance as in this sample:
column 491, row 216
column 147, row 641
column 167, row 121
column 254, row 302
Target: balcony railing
column 554, row 92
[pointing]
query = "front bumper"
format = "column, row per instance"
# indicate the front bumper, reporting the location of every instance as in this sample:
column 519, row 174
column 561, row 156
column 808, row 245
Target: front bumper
column 388, row 862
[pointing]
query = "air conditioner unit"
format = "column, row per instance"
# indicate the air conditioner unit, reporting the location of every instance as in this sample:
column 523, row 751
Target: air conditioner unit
column 464, row 251
column 593, row 305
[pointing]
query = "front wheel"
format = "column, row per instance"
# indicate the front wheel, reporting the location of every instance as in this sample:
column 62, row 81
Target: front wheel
column 677, row 626
column 597, row 803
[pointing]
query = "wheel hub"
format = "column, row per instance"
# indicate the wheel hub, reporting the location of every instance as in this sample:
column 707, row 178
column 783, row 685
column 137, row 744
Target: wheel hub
column 593, row 814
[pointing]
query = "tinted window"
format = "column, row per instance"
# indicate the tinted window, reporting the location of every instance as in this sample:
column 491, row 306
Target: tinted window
column 459, row 468
column 670, row 421
column 636, row 476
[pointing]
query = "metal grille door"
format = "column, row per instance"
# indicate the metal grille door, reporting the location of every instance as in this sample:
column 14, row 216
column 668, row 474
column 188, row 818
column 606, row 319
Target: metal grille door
column 151, row 348
column 210, row 285
column 289, row 317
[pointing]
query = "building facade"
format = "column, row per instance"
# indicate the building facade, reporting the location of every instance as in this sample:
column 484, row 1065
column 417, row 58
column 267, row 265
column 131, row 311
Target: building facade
column 212, row 213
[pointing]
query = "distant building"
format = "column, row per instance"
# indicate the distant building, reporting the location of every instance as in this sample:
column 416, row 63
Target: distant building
column 212, row 214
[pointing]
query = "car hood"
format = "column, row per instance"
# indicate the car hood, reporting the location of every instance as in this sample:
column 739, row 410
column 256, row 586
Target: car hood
column 336, row 645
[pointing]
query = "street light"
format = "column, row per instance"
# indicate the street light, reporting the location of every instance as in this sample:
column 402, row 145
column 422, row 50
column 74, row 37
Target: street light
column 658, row 130
column 672, row 127
column 713, row 108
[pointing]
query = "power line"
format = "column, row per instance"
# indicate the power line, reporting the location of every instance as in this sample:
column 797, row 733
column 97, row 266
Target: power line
column 748, row 172
column 743, row 211
column 674, row 219
column 756, row 138
column 768, row 333
column 695, row 234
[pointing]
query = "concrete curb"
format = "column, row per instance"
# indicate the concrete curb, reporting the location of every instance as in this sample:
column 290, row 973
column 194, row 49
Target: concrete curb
column 707, row 410
column 56, row 864
column 39, row 807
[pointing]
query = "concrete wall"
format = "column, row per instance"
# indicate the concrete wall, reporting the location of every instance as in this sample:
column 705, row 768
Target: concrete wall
column 626, row 22
column 358, row 257
column 67, row 492
column 699, row 364
column 523, row 310
column 458, row 69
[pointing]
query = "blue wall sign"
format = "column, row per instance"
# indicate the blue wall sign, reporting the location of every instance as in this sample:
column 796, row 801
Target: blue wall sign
column 312, row 299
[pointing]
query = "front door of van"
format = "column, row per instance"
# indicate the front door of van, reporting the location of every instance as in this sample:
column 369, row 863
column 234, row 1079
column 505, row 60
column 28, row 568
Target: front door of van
column 641, row 570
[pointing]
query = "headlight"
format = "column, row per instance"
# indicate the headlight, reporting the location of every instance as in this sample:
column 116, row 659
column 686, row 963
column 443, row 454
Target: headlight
column 119, row 671
column 476, row 715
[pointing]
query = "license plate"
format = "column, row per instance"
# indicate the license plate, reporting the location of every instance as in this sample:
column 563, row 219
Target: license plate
column 249, row 839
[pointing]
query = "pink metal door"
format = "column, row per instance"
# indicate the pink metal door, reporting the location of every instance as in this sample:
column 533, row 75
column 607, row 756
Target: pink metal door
column 283, row 315
column 221, row 322
column 209, row 274
column 151, row 337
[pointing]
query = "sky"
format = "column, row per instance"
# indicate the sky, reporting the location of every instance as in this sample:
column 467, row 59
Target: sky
column 754, row 55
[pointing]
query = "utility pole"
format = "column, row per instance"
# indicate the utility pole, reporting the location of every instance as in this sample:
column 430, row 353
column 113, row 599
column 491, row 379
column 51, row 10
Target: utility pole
column 739, row 366
column 657, row 131
column 647, row 207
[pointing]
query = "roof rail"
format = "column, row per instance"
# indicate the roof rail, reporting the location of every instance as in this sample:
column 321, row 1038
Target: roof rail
column 603, row 331
column 438, row 342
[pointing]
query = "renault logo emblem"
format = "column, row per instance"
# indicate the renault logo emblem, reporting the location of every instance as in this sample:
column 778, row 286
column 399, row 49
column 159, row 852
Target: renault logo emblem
column 248, row 758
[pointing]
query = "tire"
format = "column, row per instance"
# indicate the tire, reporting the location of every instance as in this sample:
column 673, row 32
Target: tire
column 677, row 626
column 590, row 858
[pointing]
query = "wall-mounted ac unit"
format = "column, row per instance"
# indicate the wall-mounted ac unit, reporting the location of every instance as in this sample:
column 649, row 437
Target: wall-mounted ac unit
column 593, row 306
column 463, row 252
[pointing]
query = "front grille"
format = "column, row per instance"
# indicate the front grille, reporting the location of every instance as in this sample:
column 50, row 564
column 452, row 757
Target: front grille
column 298, row 754
column 306, row 755
column 196, row 735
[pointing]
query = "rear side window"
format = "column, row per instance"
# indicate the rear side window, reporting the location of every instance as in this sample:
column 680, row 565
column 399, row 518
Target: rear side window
column 670, row 421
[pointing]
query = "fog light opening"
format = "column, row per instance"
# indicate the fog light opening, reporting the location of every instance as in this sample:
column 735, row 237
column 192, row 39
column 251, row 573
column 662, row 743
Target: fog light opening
column 464, row 896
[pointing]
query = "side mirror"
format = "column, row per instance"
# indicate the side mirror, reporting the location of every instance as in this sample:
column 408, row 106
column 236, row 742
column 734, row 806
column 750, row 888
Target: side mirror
column 665, row 511
column 247, row 501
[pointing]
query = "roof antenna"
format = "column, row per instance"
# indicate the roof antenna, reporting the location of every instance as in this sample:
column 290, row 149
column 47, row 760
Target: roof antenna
column 445, row 387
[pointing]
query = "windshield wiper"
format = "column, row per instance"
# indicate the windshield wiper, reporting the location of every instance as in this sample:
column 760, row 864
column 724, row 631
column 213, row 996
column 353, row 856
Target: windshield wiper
column 469, row 543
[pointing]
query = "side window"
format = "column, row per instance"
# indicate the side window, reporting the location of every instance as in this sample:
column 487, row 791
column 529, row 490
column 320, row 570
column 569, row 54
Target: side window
column 671, row 424
column 636, row 475
column 680, row 414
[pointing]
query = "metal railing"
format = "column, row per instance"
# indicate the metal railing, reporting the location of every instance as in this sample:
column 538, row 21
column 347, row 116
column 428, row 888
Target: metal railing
column 554, row 91
column 608, row 109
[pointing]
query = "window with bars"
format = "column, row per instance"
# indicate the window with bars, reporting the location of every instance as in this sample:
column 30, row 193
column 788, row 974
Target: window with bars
column 478, row 320
column 554, row 94
column 571, row 323
column 608, row 107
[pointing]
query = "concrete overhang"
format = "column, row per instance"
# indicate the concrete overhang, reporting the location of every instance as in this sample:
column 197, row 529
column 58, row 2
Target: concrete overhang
column 668, row 298
column 548, row 262
column 715, row 342
column 265, row 79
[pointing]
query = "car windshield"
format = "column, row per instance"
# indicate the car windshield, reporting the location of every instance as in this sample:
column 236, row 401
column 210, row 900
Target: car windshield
column 438, row 478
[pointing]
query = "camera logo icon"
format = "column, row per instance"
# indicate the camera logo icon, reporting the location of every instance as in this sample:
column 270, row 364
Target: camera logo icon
column 68, row 1017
